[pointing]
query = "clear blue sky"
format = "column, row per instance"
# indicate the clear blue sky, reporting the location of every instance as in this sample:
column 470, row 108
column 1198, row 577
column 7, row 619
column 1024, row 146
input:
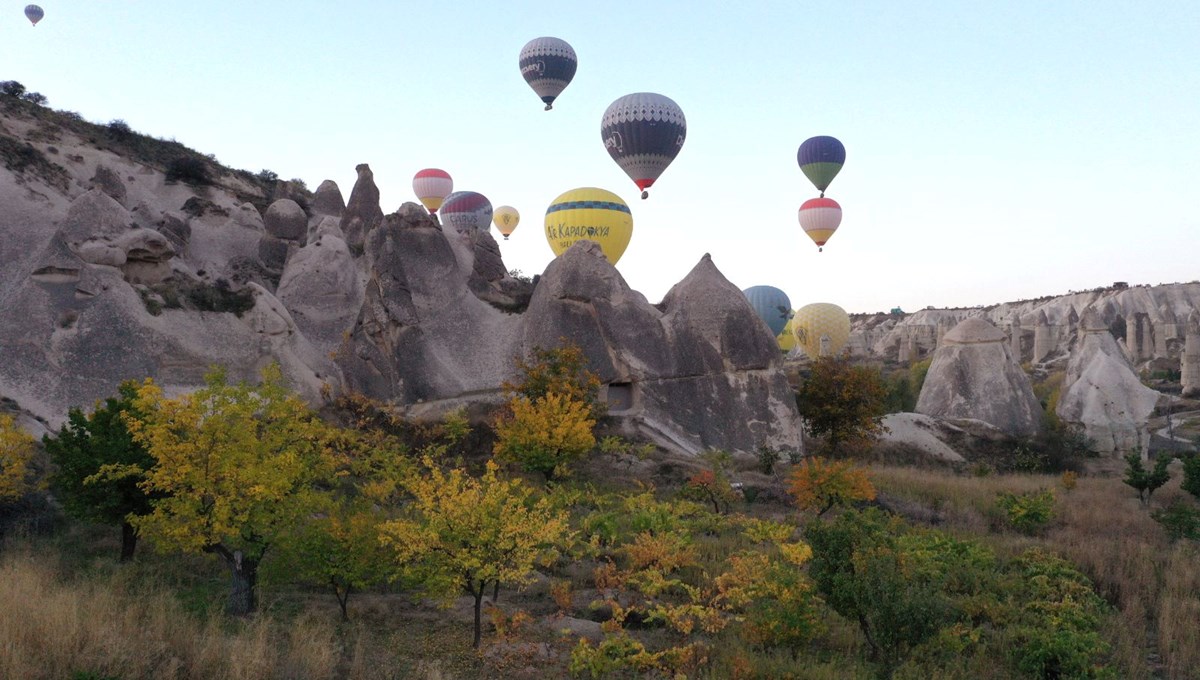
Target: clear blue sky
column 995, row 150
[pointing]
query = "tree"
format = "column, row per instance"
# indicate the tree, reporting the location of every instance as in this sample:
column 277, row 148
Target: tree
column 35, row 98
column 548, row 420
column 862, row 570
column 562, row 370
column 1143, row 481
column 100, row 467
column 11, row 88
column 16, row 451
column 1191, row 475
column 544, row 434
column 236, row 466
column 842, row 402
column 712, row 485
column 465, row 533
column 818, row 484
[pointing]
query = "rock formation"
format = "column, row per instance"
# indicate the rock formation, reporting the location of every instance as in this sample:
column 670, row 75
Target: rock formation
column 975, row 376
column 695, row 372
column 362, row 213
column 1101, row 396
column 1191, row 356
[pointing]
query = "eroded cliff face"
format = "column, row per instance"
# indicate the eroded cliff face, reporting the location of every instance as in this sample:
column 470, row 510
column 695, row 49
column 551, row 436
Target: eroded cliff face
column 111, row 273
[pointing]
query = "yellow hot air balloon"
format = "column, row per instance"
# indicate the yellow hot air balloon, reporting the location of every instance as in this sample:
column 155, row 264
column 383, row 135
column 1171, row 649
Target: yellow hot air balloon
column 506, row 219
column 821, row 329
column 592, row 214
column 785, row 338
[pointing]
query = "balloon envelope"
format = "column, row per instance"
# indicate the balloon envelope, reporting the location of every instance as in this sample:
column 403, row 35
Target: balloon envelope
column 466, row 211
column 820, row 217
column 821, row 329
column 548, row 65
column 506, row 218
column 772, row 306
column 821, row 159
column 786, row 339
column 432, row 186
column 592, row 214
column 34, row 14
column 643, row 132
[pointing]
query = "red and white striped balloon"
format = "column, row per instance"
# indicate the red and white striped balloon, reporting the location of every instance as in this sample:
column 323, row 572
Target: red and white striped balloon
column 432, row 186
column 820, row 217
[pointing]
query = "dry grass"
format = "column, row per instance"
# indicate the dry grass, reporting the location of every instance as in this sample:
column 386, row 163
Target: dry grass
column 55, row 627
column 1153, row 584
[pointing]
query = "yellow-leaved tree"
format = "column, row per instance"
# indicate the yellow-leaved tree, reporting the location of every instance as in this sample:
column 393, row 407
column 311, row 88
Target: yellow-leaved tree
column 466, row 533
column 16, row 450
column 548, row 421
column 819, row 484
column 236, row 467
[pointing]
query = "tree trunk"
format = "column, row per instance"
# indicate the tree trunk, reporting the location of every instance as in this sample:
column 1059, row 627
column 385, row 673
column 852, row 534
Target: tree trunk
column 343, row 597
column 496, row 592
column 243, row 598
column 478, row 594
column 128, row 541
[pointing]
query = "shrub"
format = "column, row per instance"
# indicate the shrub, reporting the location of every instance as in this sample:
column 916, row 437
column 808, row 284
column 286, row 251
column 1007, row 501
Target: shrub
column 1180, row 521
column 119, row 129
column 1030, row 512
column 11, row 88
column 1191, row 475
column 16, row 451
column 1069, row 479
column 818, row 484
column 190, row 170
column 35, row 98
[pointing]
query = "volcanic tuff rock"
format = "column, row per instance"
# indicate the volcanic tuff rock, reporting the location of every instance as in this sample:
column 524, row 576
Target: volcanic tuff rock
column 285, row 220
column 974, row 376
column 362, row 213
column 1102, row 396
column 327, row 200
column 321, row 288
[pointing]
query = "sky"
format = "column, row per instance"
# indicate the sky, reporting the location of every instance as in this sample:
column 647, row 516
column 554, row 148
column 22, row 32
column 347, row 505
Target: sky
column 995, row 151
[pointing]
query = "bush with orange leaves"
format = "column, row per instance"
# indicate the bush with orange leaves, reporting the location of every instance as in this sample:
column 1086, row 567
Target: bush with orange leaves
column 819, row 484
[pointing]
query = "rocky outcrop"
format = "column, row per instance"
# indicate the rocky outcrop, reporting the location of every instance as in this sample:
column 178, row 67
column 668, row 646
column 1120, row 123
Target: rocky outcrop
column 327, row 200
column 110, row 183
column 975, row 376
column 286, row 221
column 1191, row 356
column 362, row 213
column 695, row 372
column 320, row 287
column 1102, row 396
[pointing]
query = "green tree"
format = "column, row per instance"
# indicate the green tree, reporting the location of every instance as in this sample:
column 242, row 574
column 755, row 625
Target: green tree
column 842, row 402
column 1191, row 475
column 863, row 572
column 99, row 466
column 16, row 451
column 466, row 533
column 1143, row 481
column 236, row 466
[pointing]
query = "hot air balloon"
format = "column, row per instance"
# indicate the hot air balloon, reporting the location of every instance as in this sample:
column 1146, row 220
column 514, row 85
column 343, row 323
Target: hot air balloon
column 548, row 65
column 786, row 338
column 772, row 305
column 822, row 329
column 821, row 159
column 432, row 186
column 34, row 14
column 643, row 133
column 820, row 217
column 506, row 218
column 467, row 212
column 592, row 214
